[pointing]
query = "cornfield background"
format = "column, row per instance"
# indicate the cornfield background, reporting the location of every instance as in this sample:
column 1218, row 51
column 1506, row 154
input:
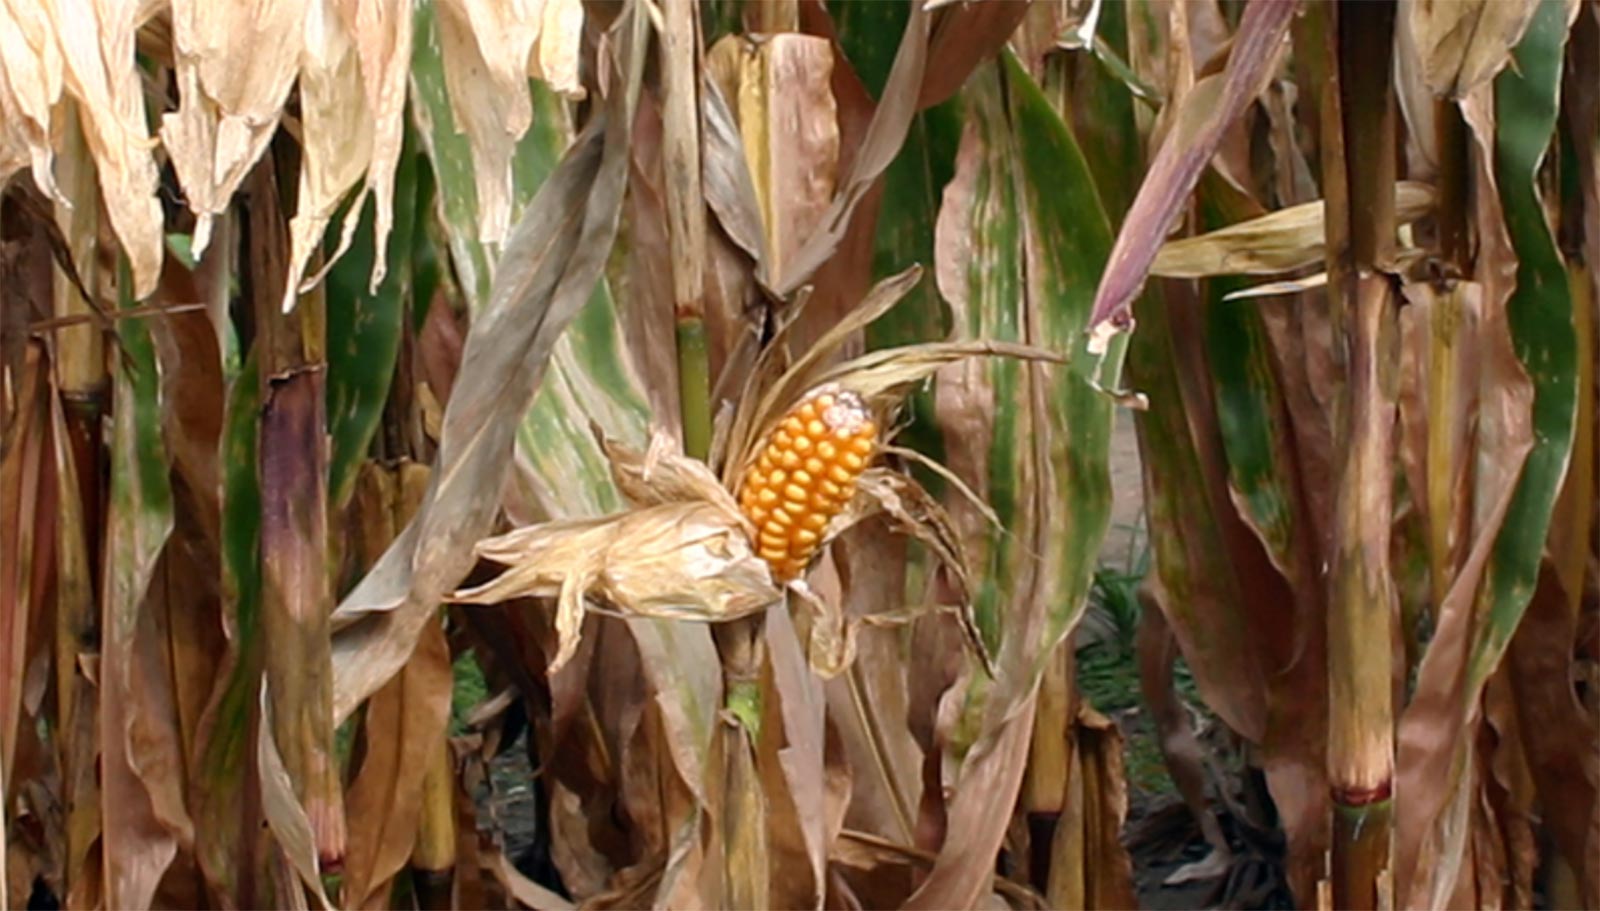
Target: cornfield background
column 354, row 347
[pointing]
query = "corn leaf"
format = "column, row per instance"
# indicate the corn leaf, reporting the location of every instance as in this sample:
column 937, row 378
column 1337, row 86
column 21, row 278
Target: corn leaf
column 1021, row 238
column 1539, row 314
column 364, row 326
column 552, row 263
column 140, row 836
column 1207, row 112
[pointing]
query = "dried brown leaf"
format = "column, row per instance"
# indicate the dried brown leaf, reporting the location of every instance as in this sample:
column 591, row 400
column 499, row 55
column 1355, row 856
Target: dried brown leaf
column 791, row 758
column 381, row 31
column 26, row 492
column 405, row 728
column 685, row 561
column 990, row 774
column 336, row 139
column 963, row 36
column 235, row 64
column 789, row 123
column 1462, row 44
column 93, row 35
column 883, row 139
column 1281, row 241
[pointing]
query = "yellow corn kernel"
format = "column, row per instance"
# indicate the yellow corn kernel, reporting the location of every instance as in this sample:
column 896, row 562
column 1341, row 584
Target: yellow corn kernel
column 805, row 473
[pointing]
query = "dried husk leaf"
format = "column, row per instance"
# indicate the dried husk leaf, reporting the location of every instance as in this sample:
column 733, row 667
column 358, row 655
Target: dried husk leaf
column 684, row 561
column 488, row 51
column 381, row 31
column 555, row 57
column 336, row 138
column 1464, row 43
column 235, row 64
column 1282, row 241
column 111, row 107
column 662, row 474
column 30, row 85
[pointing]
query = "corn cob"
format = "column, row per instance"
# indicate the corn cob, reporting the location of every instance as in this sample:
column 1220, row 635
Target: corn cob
column 805, row 476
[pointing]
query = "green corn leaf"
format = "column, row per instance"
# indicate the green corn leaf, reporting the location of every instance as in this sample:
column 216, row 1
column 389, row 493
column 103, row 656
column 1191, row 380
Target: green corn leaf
column 226, row 737
column 1038, row 238
column 1527, row 99
column 1251, row 416
column 364, row 327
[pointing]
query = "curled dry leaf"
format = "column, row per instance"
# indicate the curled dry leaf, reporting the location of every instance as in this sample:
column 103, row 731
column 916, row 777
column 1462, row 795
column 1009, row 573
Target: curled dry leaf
column 111, row 107
column 235, row 64
column 30, row 85
column 684, row 561
column 381, row 31
column 1281, row 241
column 336, row 138
column 1198, row 129
column 914, row 512
column 508, row 42
column 1464, row 43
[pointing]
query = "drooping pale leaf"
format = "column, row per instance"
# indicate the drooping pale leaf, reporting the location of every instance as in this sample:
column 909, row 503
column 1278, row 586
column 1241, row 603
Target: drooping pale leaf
column 549, row 271
column 140, row 836
column 1198, row 128
column 486, row 49
column 336, row 134
column 94, row 35
column 381, row 32
column 1277, row 242
column 1463, row 44
column 30, row 85
column 235, row 65
column 556, row 58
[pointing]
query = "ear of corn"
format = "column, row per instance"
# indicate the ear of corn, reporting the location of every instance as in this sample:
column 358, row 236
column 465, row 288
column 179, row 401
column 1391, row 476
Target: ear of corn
column 805, row 476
